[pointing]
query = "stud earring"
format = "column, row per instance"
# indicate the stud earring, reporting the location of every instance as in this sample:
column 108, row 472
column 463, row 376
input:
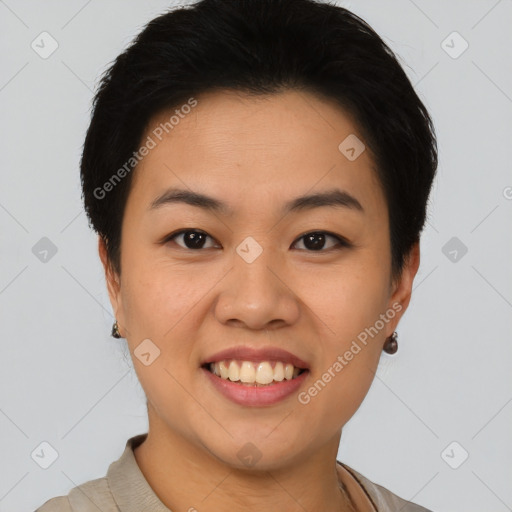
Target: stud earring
column 115, row 331
column 391, row 344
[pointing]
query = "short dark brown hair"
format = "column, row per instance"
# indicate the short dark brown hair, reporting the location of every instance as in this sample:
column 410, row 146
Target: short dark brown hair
column 261, row 47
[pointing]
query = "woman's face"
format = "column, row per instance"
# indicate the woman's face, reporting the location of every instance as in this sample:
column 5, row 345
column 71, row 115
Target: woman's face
column 264, row 270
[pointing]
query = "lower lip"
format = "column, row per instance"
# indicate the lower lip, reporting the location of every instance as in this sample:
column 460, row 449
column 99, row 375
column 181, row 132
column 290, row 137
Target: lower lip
column 256, row 396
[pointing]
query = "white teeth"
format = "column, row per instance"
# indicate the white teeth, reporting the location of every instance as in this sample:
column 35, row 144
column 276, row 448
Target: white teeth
column 247, row 372
column 223, row 369
column 254, row 373
column 233, row 372
column 279, row 372
column 264, row 373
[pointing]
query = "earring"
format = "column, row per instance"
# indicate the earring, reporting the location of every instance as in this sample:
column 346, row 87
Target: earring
column 115, row 331
column 391, row 345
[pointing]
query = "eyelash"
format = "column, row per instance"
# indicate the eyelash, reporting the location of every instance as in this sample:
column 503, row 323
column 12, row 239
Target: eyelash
column 342, row 243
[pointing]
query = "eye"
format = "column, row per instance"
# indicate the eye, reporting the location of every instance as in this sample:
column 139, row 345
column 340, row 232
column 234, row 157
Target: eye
column 191, row 239
column 315, row 241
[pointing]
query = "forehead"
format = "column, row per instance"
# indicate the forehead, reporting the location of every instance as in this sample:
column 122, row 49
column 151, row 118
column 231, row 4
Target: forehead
column 269, row 148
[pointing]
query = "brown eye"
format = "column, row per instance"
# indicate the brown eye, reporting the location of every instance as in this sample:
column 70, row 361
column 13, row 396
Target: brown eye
column 316, row 241
column 190, row 239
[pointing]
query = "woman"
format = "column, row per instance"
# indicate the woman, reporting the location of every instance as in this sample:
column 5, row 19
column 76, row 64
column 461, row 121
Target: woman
column 258, row 173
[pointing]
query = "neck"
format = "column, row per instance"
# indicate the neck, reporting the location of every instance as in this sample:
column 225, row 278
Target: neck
column 185, row 476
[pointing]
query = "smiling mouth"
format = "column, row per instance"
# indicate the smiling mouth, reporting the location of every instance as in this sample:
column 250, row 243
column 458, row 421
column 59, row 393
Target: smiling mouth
column 256, row 374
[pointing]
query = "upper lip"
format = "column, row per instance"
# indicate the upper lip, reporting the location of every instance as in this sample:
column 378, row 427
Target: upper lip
column 256, row 355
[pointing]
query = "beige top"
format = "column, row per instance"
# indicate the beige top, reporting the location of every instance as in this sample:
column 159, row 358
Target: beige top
column 125, row 489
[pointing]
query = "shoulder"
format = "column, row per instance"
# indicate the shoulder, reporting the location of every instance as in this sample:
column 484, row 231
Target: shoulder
column 122, row 482
column 91, row 495
column 383, row 499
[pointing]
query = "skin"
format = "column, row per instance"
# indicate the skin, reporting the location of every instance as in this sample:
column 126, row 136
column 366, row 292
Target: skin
column 255, row 154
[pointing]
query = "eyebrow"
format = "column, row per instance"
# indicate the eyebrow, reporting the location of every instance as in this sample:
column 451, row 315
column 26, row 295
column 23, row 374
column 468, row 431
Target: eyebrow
column 333, row 198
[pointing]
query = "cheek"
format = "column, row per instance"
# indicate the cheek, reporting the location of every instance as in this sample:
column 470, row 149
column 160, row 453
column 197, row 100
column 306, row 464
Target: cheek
column 157, row 297
column 347, row 299
column 162, row 304
column 341, row 382
column 348, row 303
column 157, row 305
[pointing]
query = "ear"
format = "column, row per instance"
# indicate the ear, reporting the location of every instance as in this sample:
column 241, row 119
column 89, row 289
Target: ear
column 402, row 289
column 113, row 283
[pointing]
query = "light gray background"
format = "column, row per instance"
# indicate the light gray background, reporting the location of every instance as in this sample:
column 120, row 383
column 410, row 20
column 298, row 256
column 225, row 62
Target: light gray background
column 65, row 381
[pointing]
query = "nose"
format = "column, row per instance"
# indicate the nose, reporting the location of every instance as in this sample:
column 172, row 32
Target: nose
column 257, row 294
